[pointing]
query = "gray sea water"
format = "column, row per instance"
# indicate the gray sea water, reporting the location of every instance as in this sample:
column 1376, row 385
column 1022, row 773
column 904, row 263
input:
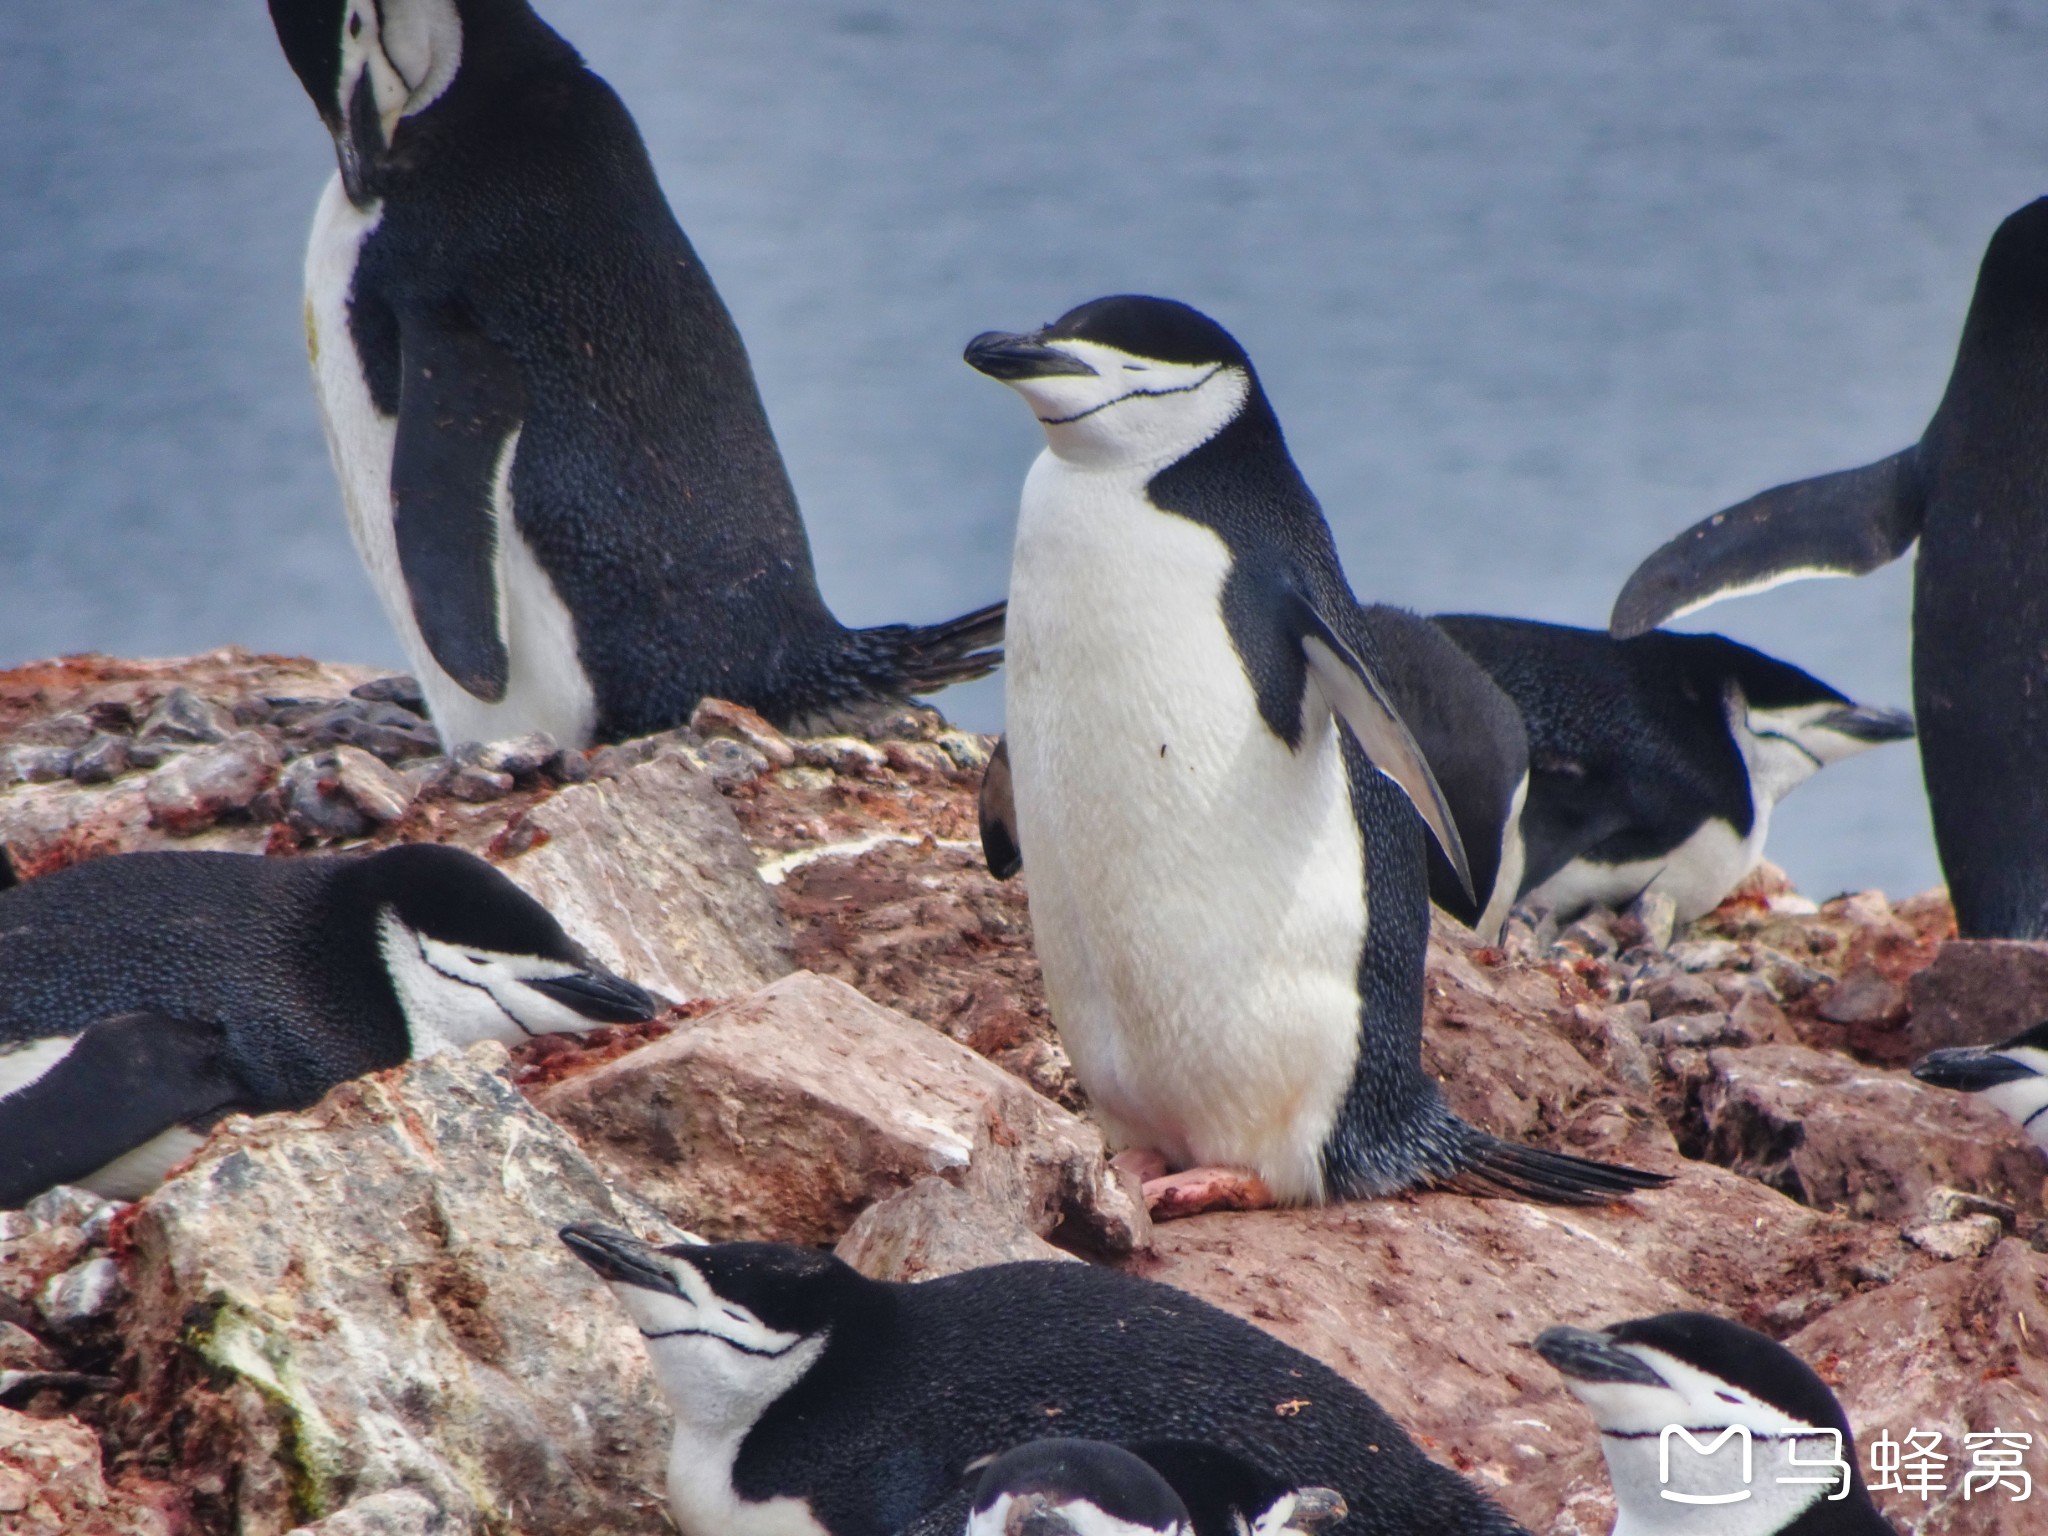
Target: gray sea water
column 1532, row 285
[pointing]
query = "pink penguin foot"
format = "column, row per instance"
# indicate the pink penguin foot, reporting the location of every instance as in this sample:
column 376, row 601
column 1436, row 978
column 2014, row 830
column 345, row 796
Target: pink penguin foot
column 1142, row 1163
column 1194, row 1191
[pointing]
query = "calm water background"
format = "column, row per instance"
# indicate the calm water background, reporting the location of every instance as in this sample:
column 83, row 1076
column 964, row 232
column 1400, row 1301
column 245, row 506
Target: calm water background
column 1532, row 286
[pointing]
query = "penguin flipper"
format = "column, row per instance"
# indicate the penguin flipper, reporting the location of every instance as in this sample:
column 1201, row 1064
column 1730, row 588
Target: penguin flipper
column 459, row 411
column 1472, row 735
column 999, row 815
column 1361, row 702
column 1844, row 524
column 1516, row 1171
column 129, row 1078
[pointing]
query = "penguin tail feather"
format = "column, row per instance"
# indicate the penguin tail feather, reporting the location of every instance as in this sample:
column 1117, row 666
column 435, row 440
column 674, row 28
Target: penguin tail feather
column 920, row 658
column 1514, row 1171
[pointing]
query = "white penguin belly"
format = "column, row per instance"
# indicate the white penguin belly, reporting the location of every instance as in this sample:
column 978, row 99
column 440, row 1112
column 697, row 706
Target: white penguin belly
column 547, row 688
column 1197, row 888
column 1696, row 875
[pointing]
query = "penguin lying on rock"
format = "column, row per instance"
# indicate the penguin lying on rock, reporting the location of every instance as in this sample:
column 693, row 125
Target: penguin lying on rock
column 1655, row 763
column 1788, row 1469
column 808, row 1397
column 1974, row 492
column 1091, row 1488
column 145, row 996
column 553, row 455
column 1220, row 792
column 2011, row 1076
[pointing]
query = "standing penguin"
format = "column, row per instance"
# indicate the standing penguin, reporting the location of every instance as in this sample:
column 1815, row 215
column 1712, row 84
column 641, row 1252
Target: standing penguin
column 554, row 459
column 2011, row 1076
column 1655, row 763
column 1974, row 492
column 1787, row 1464
column 1228, row 889
column 810, row 1398
column 146, row 995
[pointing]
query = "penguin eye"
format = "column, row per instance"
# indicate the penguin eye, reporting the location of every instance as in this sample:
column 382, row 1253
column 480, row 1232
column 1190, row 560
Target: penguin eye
column 1728, row 1397
column 1135, row 368
column 355, row 24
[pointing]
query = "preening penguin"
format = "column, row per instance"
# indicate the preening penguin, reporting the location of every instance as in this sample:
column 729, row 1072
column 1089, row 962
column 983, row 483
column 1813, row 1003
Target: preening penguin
column 2011, row 1076
column 1228, row 889
column 1788, row 1468
column 146, row 995
column 1974, row 492
column 810, row 1398
column 1655, row 762
column 553, row 455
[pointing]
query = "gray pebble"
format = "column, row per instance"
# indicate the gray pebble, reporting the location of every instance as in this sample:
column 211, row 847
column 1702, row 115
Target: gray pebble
column 182, row 718
column 399, row 688
column 101, row 760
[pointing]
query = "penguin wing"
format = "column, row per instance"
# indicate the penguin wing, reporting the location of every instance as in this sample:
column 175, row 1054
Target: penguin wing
column 1471, row 733
column 1362, row 702
column 127, row 1079
column 999, row 815
column 459, row 410
column 1843, row 524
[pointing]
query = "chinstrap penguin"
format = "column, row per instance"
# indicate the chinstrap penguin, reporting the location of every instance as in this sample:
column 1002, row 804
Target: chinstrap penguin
column 1092, row 1488
column 1793, row 1474
column 144, row 996
column 810, row 1398
column 1655, row 763
column 2011, row 1076
column 553, row 456
column 1228, row 890
column 1974, row 492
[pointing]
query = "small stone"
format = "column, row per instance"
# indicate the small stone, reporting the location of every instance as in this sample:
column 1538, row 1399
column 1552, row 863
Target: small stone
column 520, row 756
column 400, row 688
column 1978, row 991
column 74, row 729
column 391, row 740
column 1970, row 1237
column 1677, row 992
column 1943, row 1203
column 1590, row 935
column 1704, row 954
column 83, row 1292
column 342, row 793
column 969, row 753
column 182, row 718
column 1864, row 996
column 35, row 765
column 568, row 767
column 474, row 785
column 847, row 756
column 1788, row 978
column 1695, row 1030
column 918, row 759
column 197, row 788
column 1657, row 914
column 732, row 762
column 721, row 718
column 64, row 1205
column 101, row 760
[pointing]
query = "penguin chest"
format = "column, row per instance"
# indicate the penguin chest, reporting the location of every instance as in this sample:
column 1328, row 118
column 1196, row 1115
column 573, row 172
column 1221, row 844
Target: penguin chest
column 1197, row 886
column 547, row 687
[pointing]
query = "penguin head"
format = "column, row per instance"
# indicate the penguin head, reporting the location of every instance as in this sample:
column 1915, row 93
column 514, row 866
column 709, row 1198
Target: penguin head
column 2011, row 1076
column 369, row 65
column 1706, row 1375
column 473, row 957
column 1074, row 1488
column 1226, row 1491
column 1124, row 382
column 729, row 1327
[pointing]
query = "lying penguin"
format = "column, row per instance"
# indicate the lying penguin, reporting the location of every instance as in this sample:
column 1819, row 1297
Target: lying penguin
column 1788, row 1469
column 1092, row 1488
column 1655, row 763
column 147, row 995
column 2011, row 1076
column 552, row 452
column 808, row 1397
column 1221, row 802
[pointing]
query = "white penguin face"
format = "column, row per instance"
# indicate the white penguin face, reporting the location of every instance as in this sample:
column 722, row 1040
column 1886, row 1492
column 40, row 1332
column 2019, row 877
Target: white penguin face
column 1300, row 1513
column 1787, row 1467
column 408, row 49
column 1785, row 746
column 1129, row 410
column 1038, row 1514
column 454, row 995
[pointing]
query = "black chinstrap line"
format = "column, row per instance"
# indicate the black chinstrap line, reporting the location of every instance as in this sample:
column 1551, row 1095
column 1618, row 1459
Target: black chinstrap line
column 1136, row 394
column 706, row 1333
column 487, row 992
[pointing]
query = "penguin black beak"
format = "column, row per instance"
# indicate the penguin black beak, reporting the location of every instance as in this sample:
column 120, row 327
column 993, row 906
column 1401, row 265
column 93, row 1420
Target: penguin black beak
column 359, row 143
column 1001, row 355
column 1968, row 1069
column 1584, row 1355
column 619, row 1257
column 599, row 996
column 1864, row 722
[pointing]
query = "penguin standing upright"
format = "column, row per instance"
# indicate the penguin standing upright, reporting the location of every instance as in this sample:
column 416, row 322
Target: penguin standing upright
column 1655, row 763
column 1228, row 891
column 146, row 995
column 1765, row 1451
column 810, row 1398
column 554, row 459
column 1974, row 492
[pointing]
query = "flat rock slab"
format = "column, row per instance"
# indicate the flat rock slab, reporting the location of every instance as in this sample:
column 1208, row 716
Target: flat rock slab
column 934, row 1228
column 1978, row 992
column 649, row 872
column 369, row 1297
column 783, row 1115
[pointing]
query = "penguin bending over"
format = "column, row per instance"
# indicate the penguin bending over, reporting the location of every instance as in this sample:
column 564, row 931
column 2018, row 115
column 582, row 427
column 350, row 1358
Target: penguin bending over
column 1228, row 892
column 145, row 996
column 554, row 459
column 1974, row 492
column 2011, row 1076
column 1786, row 1467
column 1655, row 763
column 809, row 1398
